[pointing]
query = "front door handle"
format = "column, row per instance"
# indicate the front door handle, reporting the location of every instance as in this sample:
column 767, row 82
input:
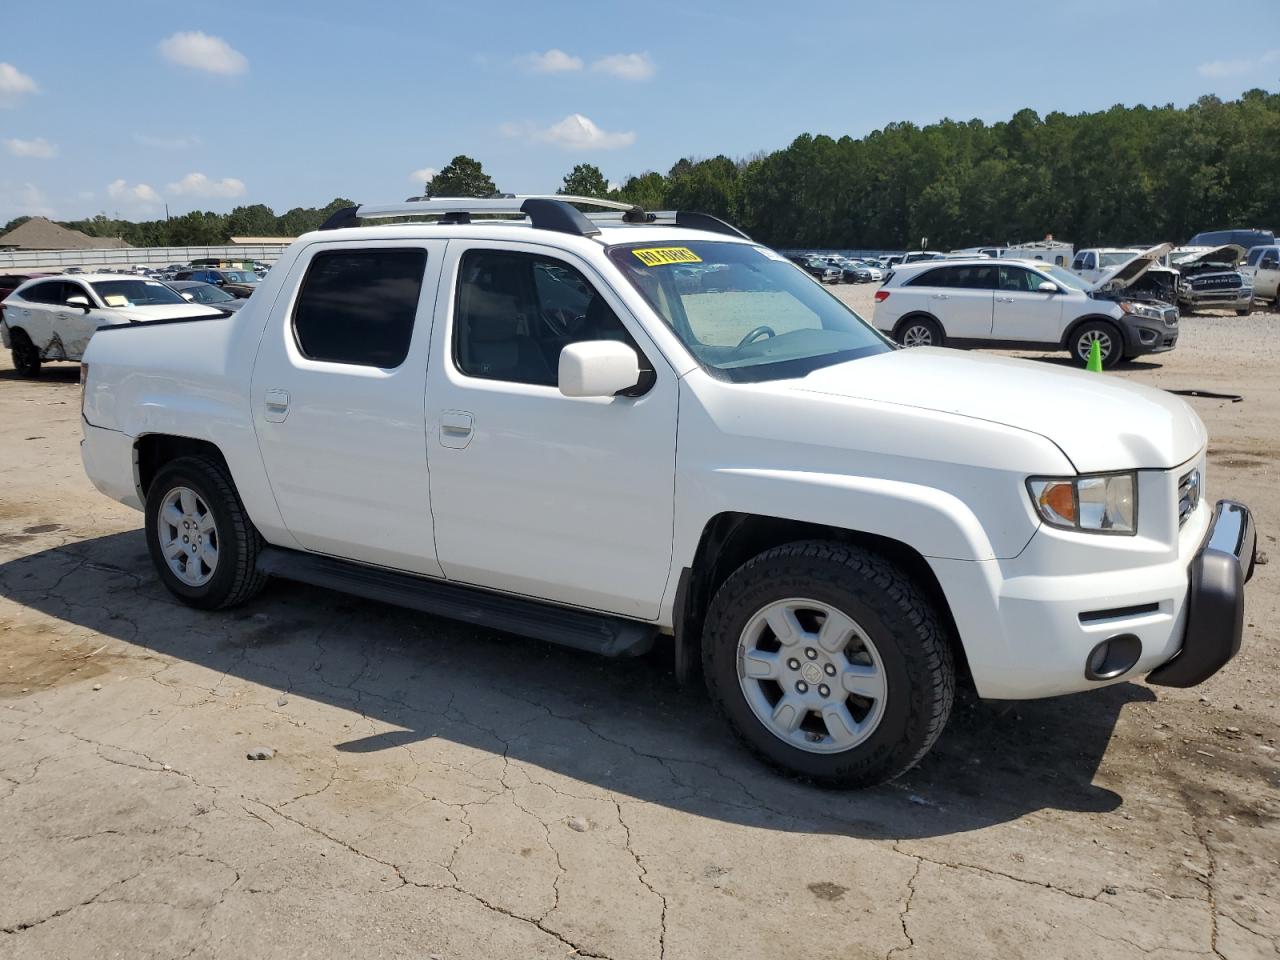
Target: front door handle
column 939, row 296
column 277, row 404
column 456, row 428
column 1004, row 300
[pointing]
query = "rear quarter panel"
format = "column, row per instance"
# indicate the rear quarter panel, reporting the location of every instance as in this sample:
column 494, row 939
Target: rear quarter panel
column 189, row 379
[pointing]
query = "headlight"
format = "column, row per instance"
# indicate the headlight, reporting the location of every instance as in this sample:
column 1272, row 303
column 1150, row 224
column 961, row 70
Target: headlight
column 1141, row 310
column 1105, row 503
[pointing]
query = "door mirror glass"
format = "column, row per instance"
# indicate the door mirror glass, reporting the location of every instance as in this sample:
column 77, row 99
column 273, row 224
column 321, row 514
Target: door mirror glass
column 1046, row 287
column 598, row 368
column 81, row 302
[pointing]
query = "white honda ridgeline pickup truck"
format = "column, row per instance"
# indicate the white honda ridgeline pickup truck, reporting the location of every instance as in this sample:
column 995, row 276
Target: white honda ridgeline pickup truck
column 594, row 429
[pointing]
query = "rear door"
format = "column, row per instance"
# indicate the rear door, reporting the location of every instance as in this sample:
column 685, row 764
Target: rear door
column 960, row 297
column 1022, row 312
column 32, row 311
column 337, row 393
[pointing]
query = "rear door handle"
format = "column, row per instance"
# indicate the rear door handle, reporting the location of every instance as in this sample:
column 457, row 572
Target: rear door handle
column 1005, row 300
column 456, row 428
column 939, row 296
column 277, row 404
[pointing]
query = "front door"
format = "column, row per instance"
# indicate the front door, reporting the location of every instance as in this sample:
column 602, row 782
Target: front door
column 337, row 394
column 568, row 499
column 1023, row 313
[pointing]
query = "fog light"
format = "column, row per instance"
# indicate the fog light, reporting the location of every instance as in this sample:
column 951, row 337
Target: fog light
column 1113, row 657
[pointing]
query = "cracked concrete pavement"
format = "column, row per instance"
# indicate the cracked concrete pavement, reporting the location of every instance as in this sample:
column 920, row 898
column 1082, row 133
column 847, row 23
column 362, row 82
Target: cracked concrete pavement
column 443, row 791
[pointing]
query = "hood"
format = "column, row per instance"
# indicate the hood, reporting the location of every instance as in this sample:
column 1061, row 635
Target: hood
column 1098, row 421
column 1227, row 255
column 164, row 311
column 1123, row 274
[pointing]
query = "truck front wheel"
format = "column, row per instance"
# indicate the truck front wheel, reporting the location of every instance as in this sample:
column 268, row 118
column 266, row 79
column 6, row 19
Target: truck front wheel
column 201, row 541
column 829, row 663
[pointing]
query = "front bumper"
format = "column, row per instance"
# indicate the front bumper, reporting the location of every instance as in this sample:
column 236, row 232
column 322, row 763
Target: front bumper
column 1215, row 600
column 1237, row 299
column 1144, row 335
column 1031, row 625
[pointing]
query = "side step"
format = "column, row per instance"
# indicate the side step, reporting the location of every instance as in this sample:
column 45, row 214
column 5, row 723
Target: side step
column 598, row 633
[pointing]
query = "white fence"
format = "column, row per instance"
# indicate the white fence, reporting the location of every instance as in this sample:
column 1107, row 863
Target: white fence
column 54, row 261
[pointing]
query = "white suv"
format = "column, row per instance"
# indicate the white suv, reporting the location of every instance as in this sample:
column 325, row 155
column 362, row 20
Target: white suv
column 543, row 425
column 1025, row 304
column 53, row 318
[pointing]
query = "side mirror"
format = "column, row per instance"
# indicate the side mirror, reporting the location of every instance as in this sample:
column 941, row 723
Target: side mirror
column 597, row 368
column 81, row 302
column 189, row 297
column 1047, row 287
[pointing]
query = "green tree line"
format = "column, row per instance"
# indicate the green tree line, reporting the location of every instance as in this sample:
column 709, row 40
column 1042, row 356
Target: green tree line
column 1118, row 176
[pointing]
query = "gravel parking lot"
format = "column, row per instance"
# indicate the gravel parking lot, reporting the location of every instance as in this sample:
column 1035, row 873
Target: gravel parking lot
column 436, row 790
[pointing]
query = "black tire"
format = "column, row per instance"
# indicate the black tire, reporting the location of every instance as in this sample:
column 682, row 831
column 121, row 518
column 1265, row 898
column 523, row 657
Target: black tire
column 1110, row 339
column 915, row 329
column 919, row 675
column 26, row 358
column 235, row 578
column 1244, row 312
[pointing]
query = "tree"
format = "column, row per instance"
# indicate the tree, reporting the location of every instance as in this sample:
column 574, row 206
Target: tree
column 462, row 177
column 257, row 220
column 13, row 224
column 585, row 180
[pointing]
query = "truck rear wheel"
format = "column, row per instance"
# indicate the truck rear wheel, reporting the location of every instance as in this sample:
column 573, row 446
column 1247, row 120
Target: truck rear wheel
column 26, row 358
column 829, row 663
column 201, row 541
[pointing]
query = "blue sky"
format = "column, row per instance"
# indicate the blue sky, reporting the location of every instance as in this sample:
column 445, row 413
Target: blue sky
column 119, row 108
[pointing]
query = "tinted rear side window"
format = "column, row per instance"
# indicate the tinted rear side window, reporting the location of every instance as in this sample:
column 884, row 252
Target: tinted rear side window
column 48, row 292
column 358, row 306
column 940, row 277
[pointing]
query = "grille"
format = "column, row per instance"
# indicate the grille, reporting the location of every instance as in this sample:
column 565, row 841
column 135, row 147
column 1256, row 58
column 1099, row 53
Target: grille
column 1188, row 494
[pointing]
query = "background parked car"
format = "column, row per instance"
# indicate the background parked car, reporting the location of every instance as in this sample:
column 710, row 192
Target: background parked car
column 197, row 291
column 1247, row 238
column 1211, row 278
column 238, row 283
column 10, row 282
column 1262, row 268
column 859, row 271
column 820, row 270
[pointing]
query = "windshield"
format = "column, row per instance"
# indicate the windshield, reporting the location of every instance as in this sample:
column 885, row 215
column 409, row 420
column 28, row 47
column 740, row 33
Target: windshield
column 1064, row 277
column 1115, row 259
column 208, row 293
column 746, row 313
column 240, row 276
column 135, row 293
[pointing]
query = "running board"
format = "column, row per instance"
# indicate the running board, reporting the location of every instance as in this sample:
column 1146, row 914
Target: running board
column 598, row 633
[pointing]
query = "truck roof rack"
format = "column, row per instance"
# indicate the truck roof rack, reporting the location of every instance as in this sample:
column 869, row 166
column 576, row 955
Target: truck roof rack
column 546, row 212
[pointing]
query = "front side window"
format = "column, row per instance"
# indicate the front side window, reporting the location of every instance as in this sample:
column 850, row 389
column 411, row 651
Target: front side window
column 750, row 315
column 1020, row 280
column 516, row 311
column 132, row 293
column 358, row 306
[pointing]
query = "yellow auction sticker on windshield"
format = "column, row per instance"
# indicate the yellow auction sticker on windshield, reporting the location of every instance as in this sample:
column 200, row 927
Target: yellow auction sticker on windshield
column 659, row 256
column 115, row 300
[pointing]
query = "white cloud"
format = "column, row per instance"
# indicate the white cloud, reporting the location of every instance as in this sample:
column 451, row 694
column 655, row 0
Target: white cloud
column 141, row 192
column 23, row 199
column 39, row 147
column 574, row 132
column 198, row 185
column 425, row 175
column 553, row 61
column 200, row 51
column 1221, row 69
column 626, row 66
column 14, row 85
column 182, row 142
